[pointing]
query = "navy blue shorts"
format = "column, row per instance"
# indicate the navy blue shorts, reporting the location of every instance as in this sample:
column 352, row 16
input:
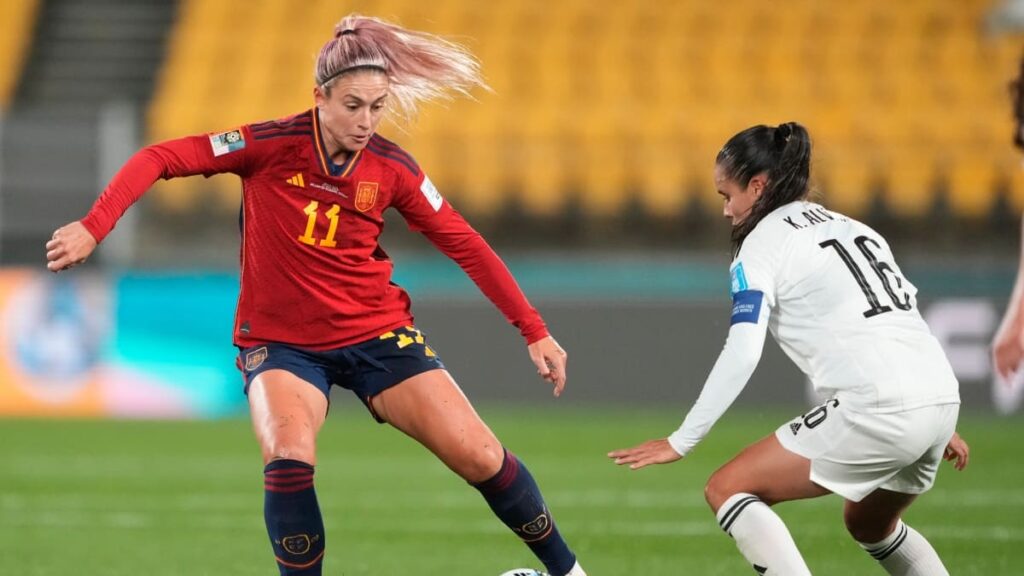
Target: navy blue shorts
column 367, row 368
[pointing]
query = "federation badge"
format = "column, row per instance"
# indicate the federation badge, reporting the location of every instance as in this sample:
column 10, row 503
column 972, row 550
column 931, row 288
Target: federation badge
column 227, row 142
column 255, row 358
column 297, row 544
column 366, row 195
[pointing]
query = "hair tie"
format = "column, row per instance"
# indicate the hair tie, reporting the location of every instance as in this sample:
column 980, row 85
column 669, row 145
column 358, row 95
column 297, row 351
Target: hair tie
column 783, row 134
column 346, row 32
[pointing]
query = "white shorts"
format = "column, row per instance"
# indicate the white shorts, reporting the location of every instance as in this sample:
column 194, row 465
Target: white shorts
column 854, row 453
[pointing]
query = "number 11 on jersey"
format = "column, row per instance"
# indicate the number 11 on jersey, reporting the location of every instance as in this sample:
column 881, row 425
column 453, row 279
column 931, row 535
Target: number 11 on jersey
column 312, row 211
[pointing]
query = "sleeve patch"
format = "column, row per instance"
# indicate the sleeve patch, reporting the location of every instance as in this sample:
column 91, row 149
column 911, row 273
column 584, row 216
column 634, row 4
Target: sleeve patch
column 739, row 279
column 746, row 306
column 227, row 142
column 430, row 193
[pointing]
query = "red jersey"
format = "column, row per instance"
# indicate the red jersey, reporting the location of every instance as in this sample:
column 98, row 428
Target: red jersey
column 312, row 271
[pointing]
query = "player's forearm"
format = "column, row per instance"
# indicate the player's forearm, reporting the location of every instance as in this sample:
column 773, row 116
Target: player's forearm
column 479, row 261
column 164, row 160
column 732, row 371
column 1013, row 320
column 127, row 186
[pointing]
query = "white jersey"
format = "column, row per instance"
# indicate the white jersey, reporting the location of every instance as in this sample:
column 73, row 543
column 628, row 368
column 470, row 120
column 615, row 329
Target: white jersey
column 833, row 297
column 842, row 310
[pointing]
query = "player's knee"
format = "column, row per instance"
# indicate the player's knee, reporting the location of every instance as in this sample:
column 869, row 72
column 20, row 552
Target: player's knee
column 289, row 450
column 867, row 528
column 718, row 489
column 480, row 462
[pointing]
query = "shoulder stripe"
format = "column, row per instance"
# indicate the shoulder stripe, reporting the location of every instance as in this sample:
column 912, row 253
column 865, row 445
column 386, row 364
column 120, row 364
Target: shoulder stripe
column 290, row 121
column 266, row 136
column 390, row 146
column 279, row 127
column 404, row 159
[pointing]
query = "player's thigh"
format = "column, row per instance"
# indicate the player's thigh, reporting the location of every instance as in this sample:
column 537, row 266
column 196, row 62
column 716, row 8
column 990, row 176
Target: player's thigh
column 875, row 517
column 287, row 413
column 431, row 408
column 766, row 470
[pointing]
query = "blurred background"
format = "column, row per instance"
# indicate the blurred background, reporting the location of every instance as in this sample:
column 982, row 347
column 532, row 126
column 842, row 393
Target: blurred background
column 588, row 168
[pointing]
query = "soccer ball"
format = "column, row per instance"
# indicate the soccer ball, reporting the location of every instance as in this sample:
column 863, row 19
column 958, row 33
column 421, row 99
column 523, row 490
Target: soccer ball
column 523, row 572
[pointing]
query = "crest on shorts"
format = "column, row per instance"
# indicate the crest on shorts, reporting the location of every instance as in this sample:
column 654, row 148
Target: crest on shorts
column 366, row 195
column 255, row 358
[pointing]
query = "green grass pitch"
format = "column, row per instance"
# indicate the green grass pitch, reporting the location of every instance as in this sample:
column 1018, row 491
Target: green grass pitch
column 172, row 498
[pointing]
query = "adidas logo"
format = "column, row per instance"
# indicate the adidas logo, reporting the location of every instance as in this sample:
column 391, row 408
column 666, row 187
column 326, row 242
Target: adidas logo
column 297, row 180
column 794, row 427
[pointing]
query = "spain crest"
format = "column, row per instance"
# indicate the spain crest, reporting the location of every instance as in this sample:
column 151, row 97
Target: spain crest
column 255, row 358
column 366, row 195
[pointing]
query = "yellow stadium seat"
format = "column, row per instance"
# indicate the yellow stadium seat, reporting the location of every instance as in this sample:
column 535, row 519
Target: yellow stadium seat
column 972, row 183
column 888, row 89
column 17, row 22
column 911, row 181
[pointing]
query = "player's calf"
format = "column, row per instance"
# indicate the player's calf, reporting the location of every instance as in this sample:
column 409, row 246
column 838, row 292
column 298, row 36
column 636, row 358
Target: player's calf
column 514, row 497
column 293, row 518
column 905, row 552
column 761, row 536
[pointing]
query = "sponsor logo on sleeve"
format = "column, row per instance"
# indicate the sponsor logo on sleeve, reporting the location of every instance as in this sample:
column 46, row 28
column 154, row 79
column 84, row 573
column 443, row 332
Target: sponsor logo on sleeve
column 431, row 194
column 739, row 279
column 227, row 142
column 746, row 306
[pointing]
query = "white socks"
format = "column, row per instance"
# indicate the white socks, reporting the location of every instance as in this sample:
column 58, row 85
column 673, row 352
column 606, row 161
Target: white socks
column 906, row 553
column 576, row 571
column 761, row 536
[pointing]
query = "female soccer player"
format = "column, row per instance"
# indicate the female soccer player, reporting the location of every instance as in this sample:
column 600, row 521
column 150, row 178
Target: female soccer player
column 316, row 305
column 835, row 300
column 1008, row 343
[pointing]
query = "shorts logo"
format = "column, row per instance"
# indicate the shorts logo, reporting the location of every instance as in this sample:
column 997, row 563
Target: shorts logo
column 227, row 142
column 297, row 544
column 794, row 428
column 254, row 359
column 536, row 529
column 366, row 195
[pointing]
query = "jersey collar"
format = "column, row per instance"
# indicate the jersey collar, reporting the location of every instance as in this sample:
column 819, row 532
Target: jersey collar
column 326, row 164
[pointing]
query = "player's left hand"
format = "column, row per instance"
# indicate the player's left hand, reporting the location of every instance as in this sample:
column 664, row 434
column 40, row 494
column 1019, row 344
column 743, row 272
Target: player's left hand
column 550, row 360
column 957, row 452
column 650, row 452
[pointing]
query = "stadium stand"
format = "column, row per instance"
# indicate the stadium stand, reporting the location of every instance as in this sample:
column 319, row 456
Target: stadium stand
column 629, row 102
column 17, row 22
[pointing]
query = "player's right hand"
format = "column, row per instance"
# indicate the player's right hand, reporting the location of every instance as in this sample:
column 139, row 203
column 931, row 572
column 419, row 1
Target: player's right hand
column 651, row 452
column 70, row 245
column 957, row 452
column 1008, row 349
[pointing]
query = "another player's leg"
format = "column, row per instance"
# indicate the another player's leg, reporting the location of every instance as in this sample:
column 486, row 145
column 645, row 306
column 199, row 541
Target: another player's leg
column 432, row 409
column 875, row 523
column 875, row 520
column 741, row 493
column 287, row 412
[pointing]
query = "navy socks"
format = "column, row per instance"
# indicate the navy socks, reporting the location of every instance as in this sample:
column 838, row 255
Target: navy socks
column 514, row 497
column 293, row 518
